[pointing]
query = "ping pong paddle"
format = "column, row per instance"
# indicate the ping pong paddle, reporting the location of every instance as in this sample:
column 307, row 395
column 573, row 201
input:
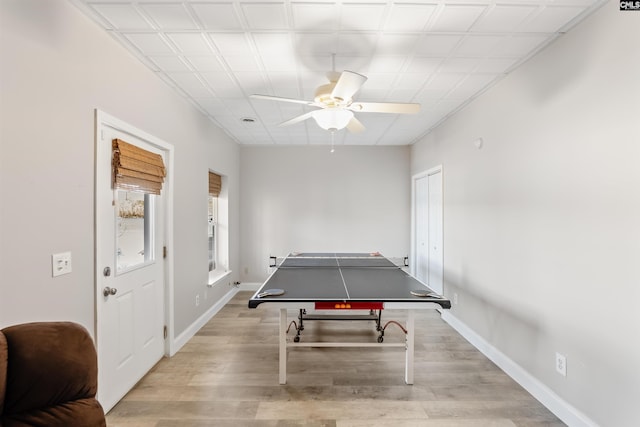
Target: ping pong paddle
column 270, row 293
column 425, row 293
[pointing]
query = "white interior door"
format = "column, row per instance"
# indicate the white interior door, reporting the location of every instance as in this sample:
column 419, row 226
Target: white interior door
column 421, row 206
column 129, row 275
column 435, row 231
column 427, row 229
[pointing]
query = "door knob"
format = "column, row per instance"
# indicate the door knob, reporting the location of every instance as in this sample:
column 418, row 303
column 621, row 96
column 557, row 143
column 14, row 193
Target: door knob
column 109, row 291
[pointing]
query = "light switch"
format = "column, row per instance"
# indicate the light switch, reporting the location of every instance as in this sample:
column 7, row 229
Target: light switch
column 61, row 263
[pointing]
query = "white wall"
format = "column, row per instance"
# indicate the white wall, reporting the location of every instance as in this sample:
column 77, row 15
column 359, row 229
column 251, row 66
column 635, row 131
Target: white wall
column 308, row 199
column 542, row 231
column 57, row 67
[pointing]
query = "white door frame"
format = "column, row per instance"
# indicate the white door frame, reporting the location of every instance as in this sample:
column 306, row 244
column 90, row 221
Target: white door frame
column 414, row 178
column 104, row 119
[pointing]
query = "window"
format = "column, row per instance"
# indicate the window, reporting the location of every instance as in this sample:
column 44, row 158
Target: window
column 217, row 228
column 137, row 177
column 134, row 230
column 213, row 223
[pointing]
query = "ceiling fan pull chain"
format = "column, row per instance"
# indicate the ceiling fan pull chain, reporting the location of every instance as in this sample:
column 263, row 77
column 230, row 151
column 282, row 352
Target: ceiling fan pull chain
column 333, row 136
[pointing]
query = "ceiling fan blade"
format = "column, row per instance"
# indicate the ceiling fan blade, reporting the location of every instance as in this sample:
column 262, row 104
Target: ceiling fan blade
column 355, row 126
column 298, row 119
column 279, row 98
column 385, row 107
column 347, row 85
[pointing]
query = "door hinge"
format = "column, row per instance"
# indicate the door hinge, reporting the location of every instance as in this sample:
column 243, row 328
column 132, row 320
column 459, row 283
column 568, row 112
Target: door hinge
column 165, row 332
column 164, row 252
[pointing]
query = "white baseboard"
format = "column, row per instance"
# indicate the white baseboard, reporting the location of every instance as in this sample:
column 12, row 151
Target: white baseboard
column 183, row 338
column 559, row 407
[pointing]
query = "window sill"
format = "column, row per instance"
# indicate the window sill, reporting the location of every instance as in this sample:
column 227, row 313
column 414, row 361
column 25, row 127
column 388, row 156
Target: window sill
column 216, row 276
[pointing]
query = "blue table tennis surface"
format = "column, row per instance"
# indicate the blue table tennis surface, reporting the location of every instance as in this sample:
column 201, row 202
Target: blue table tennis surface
column 346, row 277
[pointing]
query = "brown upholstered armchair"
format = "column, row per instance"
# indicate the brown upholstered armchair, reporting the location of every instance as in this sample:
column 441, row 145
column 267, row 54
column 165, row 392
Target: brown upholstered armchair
column 48, row 376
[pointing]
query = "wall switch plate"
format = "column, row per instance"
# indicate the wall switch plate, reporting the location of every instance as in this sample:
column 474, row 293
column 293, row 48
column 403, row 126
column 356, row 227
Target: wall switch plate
column 61, row 264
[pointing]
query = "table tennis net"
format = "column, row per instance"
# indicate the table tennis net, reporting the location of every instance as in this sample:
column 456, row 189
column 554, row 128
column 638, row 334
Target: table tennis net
column 322, row 260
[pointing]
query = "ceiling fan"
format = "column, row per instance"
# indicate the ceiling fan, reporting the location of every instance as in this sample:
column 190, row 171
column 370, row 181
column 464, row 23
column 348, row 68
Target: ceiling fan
column 336, row 106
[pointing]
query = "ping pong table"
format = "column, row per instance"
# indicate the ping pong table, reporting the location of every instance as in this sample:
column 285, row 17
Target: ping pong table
column 345, row 283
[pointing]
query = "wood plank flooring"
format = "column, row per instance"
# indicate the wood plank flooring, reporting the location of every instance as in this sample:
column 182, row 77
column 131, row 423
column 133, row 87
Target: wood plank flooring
column 227, row 375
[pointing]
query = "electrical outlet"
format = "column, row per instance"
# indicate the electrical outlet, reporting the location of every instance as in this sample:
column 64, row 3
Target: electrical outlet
column 561, row 364
column 197, row 300
column 61, row 263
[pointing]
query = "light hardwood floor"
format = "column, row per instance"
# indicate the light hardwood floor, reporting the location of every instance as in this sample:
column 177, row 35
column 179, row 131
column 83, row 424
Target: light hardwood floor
column 227, row 375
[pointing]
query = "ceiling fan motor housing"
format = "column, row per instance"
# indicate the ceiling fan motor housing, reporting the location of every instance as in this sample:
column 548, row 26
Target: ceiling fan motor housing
column 323, row 95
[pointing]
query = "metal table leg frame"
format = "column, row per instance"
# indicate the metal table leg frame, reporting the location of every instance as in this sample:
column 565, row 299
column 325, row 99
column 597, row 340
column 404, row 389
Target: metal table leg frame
column 283, row 346
column 408, row 371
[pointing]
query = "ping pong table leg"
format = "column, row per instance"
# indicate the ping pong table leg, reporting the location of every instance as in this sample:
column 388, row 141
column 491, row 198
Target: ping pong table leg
column 283, row 346
column 408, row 369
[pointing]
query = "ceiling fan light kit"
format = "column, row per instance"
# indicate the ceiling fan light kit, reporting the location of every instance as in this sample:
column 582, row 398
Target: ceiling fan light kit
column 332, row 119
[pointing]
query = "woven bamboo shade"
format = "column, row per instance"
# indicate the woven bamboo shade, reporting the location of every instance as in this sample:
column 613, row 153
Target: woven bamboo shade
column 135, row 169
column 215, row 184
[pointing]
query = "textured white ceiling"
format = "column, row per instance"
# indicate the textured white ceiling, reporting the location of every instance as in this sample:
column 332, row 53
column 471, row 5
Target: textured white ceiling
column 440, row 54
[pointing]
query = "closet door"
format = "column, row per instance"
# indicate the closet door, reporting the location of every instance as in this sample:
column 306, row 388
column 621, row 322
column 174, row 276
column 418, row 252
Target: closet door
column 427, row 236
